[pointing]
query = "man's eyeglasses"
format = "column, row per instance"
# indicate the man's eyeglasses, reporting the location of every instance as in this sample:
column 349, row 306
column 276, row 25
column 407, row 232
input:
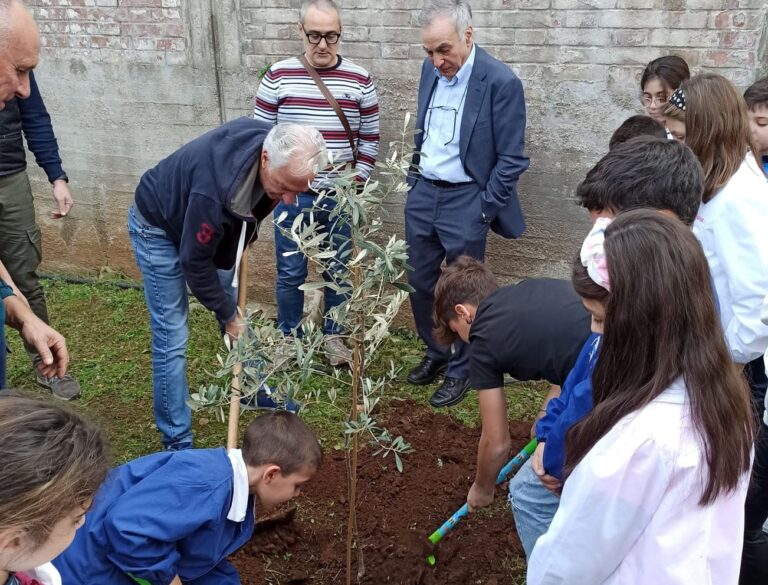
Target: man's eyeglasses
column 660, row 100
column 331, row 38
column 445, row 111
column 448, row 110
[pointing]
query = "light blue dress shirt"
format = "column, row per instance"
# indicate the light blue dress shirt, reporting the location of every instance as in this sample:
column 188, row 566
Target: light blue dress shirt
column 442, row 126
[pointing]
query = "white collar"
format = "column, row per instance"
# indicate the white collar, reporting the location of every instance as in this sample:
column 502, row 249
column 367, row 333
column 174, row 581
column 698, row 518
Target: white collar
column 676, row 393
column 46, row 574
column 240, row 495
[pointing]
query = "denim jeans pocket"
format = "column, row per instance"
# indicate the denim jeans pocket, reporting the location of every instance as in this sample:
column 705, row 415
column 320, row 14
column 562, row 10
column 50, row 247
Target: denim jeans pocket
column 139, row 228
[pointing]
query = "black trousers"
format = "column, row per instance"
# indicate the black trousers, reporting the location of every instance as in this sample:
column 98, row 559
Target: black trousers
column 754, row 559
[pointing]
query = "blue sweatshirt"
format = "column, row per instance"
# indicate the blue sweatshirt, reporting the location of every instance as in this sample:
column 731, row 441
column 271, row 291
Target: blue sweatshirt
column 573, row 404
column 157, row 517
column 201, row 195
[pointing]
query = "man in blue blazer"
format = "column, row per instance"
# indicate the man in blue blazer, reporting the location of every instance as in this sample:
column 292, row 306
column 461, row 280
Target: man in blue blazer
column 469, row 153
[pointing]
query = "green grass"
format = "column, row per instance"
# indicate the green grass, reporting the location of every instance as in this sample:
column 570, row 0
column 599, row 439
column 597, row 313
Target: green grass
column 108, row 337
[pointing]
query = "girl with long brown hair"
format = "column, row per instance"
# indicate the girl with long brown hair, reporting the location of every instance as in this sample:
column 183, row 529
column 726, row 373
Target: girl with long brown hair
column 51, row 464
column 732, row 223
column 657, row 473
column 732, row 226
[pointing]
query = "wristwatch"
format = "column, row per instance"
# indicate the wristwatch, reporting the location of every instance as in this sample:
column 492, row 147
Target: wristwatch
column 63, row 177
column 486, row 219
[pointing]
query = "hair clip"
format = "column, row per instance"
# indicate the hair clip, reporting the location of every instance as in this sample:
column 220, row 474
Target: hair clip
column 593, row 253
column 677, row 99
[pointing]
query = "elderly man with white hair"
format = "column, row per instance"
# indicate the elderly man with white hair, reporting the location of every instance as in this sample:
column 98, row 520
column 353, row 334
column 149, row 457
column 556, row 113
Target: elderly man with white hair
column 470, row 153
column 19, row 50
column 19, row 53
column 193, row 215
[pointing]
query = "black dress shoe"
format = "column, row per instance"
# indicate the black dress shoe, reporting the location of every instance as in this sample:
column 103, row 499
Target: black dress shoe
column 451, row 392
column 426, row 371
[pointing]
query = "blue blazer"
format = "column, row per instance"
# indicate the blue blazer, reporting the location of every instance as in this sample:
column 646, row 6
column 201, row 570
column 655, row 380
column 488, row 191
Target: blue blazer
column 492, row 140
column 159, row 516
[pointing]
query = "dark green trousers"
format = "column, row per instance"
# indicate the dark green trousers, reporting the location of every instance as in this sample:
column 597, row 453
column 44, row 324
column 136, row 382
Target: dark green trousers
column 20, row 239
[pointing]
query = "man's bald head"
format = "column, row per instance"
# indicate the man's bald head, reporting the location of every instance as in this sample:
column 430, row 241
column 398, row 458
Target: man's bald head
column 19, row 50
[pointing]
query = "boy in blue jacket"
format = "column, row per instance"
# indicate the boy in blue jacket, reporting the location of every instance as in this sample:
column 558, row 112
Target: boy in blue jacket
column 643, row 172
column 192, row 217
column 174, row 517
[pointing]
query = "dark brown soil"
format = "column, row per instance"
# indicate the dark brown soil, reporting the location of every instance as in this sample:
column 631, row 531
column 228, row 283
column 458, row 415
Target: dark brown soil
column 396, row 513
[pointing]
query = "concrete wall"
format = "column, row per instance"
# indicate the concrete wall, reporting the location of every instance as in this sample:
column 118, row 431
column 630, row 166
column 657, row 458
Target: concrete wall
column 129, row 81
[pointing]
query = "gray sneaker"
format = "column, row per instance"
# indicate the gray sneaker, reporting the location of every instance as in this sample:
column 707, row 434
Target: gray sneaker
column 64, row 388
column 338, row 354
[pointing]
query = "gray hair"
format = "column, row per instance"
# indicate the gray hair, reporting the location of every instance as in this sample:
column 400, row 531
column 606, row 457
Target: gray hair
column 287, row 143
column 323, row 5
column 459, row 11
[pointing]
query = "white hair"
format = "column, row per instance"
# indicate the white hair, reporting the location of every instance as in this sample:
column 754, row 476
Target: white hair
column 5, row 21
column 296, row 143
column 323, row 5
column 459, row 11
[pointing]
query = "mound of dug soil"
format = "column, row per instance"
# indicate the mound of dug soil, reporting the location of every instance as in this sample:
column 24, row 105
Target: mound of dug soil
column 396, row 513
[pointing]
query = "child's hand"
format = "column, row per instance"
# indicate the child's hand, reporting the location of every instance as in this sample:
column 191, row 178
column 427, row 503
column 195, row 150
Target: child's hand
column 537, row 463
column 479, row 498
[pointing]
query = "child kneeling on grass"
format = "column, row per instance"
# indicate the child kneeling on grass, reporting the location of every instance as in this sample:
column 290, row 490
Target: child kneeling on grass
column 657, row 473
column 175, row 517
column 51, row 464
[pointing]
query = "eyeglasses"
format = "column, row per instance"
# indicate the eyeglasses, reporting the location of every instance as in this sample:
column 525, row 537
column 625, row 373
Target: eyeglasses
column 648, row 100
column 331, row 38
column 443, row 109
column 455, row 112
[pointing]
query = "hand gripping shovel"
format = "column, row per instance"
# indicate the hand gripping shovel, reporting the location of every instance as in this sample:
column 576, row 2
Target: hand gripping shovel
column 506, row 472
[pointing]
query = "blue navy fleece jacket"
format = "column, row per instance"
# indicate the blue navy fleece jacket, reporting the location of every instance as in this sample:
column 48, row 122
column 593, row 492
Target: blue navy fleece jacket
column 190, row 195
column 573, row 404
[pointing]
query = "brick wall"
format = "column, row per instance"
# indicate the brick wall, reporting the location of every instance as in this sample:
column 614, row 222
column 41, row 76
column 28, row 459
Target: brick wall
column 141, row 31
column 128, row 81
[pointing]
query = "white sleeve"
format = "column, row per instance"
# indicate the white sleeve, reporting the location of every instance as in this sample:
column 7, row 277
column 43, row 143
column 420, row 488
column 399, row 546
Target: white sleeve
column 741, row 242
column 606, row 504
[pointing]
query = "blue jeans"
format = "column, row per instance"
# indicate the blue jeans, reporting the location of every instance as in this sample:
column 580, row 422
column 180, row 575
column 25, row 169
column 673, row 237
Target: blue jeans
column 292, row 270
column 165, row 291
column 533, row 506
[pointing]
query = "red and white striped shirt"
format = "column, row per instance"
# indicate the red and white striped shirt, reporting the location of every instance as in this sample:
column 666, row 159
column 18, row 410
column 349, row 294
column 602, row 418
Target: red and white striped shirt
column 288, row 94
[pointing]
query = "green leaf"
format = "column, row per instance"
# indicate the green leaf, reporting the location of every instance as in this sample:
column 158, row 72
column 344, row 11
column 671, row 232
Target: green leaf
column 312, row 286
column 404, row 286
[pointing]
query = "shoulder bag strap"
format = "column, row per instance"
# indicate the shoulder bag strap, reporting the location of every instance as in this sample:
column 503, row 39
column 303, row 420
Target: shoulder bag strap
column 334, row 104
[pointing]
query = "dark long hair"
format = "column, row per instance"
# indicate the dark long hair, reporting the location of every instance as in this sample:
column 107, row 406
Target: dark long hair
column 670, row 69
column 717, row 129
column 660, row 324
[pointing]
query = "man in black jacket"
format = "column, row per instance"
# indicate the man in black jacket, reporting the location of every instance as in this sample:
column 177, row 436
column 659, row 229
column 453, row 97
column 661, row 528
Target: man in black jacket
column 193, row 215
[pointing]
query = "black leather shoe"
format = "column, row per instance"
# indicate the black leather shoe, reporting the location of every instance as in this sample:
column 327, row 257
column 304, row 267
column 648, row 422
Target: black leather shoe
column 426, row 372
column 451, row 392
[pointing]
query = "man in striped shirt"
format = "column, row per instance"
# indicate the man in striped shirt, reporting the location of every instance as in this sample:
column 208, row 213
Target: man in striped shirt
column 289, row 94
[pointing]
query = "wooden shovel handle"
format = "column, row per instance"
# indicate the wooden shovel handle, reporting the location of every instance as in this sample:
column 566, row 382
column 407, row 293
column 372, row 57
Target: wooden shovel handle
column 233, row 427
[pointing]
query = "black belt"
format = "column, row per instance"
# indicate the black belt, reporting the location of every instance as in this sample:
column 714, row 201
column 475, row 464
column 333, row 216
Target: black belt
column 446, row 184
